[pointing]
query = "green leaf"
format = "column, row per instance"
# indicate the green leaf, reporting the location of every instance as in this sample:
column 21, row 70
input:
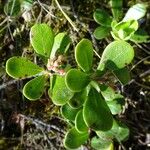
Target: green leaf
column 123, row 75
column 61, row 44
column 116, row 7
column 100, row 144
column 136, row 12
column 19, row 67
column 101, row 32
column 119, row 131
column 116, row 105
column 69, row 112
column 76, row 80
column 124, row 29
column 74, row 139
column 12, row 7
column 42, row 39
column 107, row 92
column 34, row 89
column 79, row 122
column 116, row 56
column 78, row 99
column 60, row 94
column 102, row 18
column 140, row 38
column 84, row 55
column 96, row 113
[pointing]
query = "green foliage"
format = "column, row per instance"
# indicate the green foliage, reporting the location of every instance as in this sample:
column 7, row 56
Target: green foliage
column 80, row 123
column 124, row 29
column 69, row 112
column 102, row 17
column 116, row 56
column 101, row 32
column 86, row 103
column 96, row 113
column 84, row 55
column 76, row 80
column 42, row 39
column 120, row 30
column 116, row 7
column 74, row 139
column 119, row 131
column 61, row 44
column 123, row 75
column 101, row 144
column 59, row 93
column 78, row 99
column 19, row 67
column 34, row 89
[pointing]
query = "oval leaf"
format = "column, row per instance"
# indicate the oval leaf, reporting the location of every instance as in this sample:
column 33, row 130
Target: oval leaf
column 19, row 67
column 60, row 94
column 79, row 122
column 84, row 55
column 116, row 56
column 74, row 139
column 76, row 80
column 101, row 32
column 69, row 112
column 61, row 44
column 42, row 39
column 102, row 18
column 34, row 89
column 96, row 113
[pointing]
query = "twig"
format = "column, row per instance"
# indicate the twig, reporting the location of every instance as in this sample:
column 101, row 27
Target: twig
column 140, row 62
column 41, row 124
column 66, row 16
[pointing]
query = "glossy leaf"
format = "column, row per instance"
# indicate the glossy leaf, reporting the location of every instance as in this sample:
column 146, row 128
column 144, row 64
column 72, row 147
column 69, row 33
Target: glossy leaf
column 96, row 113
column 69, row 112
column 102, row 17
column 12, row 7
column 42, row 39
column 123, row 75
column 19, row 67
column 116, row 56
column 61, row 44
column 101, row 144
column 116, row 7
column 124, row 30
column 76, row 80
column 74, row 139
column 60, row 94
column 135, row 12
column 80, row 123
column 101, row 32
column 34, row 89
column 78, row 99
column 119, row 131
column 84, row 55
